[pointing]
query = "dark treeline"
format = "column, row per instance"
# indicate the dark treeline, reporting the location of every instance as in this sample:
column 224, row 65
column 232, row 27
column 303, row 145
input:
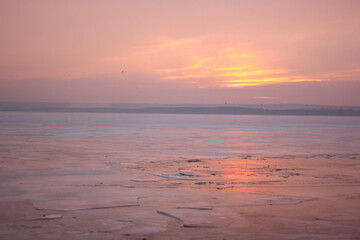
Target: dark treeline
column 176, row 109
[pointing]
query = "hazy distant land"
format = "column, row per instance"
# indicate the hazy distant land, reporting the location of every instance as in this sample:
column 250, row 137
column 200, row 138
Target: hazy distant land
column 226, row 109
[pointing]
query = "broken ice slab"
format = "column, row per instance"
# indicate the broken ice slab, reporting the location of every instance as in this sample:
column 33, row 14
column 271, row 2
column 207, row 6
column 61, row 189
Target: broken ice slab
column 197, row 219
column 175, row 176
column 124, row 221
column 42, row 217
column 194, row 160
column 169, row 215
column 189, row 174
column 145, row 180
column 69, row 205
column 195, row 208
column 201, row 183
column 288, row 174
column 197, row 226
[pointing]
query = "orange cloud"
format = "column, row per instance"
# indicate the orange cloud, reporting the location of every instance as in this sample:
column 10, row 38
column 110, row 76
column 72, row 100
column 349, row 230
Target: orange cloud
column 208, row 61
column 267, row 81
column 250, row 73
column 233, row 70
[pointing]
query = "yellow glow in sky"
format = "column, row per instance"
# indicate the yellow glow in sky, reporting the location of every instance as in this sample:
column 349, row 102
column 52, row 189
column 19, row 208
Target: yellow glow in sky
column 203, row 51
column 245, row 68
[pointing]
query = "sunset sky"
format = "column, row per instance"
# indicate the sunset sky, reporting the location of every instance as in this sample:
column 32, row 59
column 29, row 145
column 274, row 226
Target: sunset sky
column 188, row 51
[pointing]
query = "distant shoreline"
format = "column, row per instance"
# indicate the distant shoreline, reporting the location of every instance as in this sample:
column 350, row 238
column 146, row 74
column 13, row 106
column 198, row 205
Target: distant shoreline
column 278, row 110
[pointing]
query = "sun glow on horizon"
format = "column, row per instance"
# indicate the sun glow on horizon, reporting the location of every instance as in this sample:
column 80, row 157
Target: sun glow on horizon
column 232, row 70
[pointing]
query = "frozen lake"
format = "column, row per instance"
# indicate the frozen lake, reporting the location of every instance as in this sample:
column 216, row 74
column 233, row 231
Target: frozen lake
column 180, row 135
